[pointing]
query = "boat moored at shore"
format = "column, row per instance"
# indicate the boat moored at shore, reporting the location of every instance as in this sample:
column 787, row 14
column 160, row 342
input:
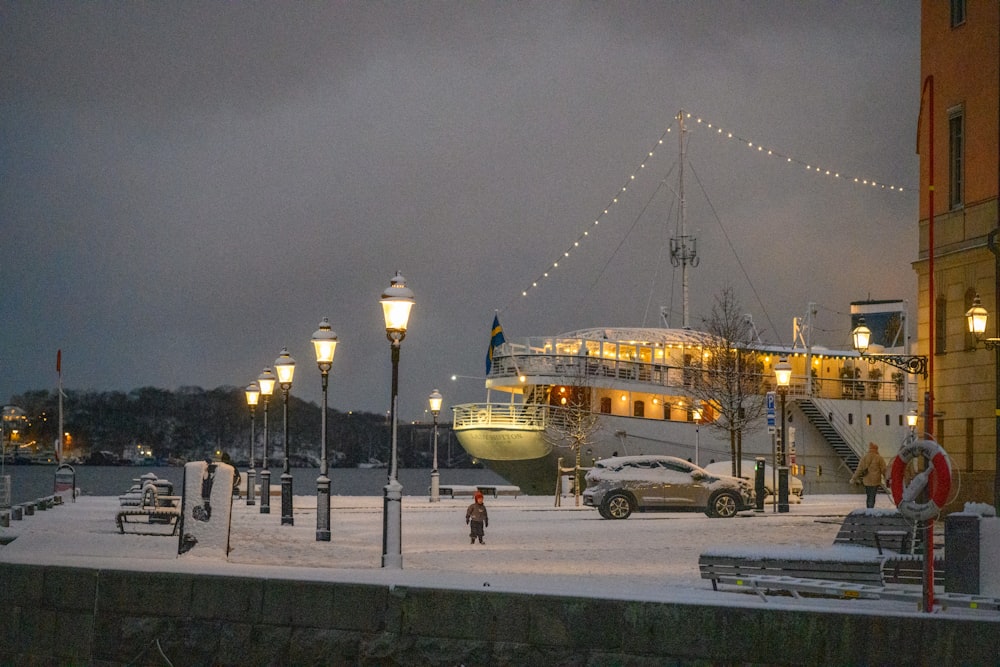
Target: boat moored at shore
column 636, row 384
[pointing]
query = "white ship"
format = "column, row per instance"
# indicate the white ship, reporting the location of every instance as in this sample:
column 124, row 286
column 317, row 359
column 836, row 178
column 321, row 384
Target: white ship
column 637, row 384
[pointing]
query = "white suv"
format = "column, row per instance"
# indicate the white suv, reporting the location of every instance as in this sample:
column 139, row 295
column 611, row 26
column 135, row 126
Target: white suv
column 620, row 485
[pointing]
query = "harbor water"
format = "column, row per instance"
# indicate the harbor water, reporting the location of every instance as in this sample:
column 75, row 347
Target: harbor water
column 34, row 481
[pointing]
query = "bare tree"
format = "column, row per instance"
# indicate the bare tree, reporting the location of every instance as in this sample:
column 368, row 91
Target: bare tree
column 730, row 382
column 573, row 426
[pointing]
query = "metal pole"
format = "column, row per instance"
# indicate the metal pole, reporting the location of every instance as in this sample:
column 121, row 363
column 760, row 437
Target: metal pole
column 251, row 473
column 286, row 476
column 323, row 481
column 783, row 468
column 435, row 475
column 265, row 473
column 392, row 519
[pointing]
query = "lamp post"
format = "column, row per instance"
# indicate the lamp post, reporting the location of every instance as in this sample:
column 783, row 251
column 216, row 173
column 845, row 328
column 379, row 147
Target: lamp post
column 783, row 377
column 909, row 363
column 435, row 402
column 253, row 396
column 285, row 367
column 266, row 382
column 324, row 341
column 397, row 300
column 976, row 317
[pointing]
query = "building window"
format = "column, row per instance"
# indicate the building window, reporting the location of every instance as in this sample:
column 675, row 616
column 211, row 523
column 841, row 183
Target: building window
column 957, row 13
column 940, row 330
column 606, row 405
column 956, row 157
column 639, row 409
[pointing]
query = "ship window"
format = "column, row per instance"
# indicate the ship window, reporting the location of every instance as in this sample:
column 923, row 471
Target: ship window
column 606, row 405
column 887, row 420
column 850, row 417
column 868, row 420
column 639, row 409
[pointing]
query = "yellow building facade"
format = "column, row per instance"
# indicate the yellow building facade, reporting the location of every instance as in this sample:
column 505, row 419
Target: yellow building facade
column 959, row 185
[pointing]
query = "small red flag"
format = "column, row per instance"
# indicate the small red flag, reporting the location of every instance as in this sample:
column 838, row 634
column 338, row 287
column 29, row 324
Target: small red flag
column 59, row 361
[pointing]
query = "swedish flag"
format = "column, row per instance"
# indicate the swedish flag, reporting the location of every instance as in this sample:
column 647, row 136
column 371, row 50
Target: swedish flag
column 496, row 340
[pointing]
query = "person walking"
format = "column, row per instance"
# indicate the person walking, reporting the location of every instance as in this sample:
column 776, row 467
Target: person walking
column 870, row 472
column 477, row 519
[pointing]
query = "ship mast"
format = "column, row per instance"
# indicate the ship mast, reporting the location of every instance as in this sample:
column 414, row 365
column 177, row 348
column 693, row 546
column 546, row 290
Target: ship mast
column 683, row 248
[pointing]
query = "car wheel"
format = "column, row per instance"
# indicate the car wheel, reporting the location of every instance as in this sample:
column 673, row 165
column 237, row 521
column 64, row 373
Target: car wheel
column 723, row 505
column 616, row 506
column 602, row 510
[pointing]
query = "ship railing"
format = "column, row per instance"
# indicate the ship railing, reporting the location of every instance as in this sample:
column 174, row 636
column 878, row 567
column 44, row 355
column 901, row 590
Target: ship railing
column 671, row 376
column 567, row 366
column 472, row 415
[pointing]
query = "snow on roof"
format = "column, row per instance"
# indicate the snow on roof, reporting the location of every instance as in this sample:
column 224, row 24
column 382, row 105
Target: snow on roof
column 642, row 335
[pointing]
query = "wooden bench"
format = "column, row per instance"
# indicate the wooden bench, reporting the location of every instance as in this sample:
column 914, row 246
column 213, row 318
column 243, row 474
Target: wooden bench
column 854, row 565
column 872, row 547
column 882, row 529
column 167, row 516
column 907, row 569
column 453, row 490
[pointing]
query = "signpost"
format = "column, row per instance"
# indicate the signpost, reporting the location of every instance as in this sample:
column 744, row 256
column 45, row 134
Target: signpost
column 771, row 428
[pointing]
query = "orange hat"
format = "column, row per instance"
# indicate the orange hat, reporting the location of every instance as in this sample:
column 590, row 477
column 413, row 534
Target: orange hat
column 478, row 497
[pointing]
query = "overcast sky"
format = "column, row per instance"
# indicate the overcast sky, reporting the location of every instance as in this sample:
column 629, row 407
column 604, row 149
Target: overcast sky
column 187, row 187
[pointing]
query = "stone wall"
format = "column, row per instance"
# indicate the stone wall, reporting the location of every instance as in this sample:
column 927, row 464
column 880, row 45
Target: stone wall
column 64, row 616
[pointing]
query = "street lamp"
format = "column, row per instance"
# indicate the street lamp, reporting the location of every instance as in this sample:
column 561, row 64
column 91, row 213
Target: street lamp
column 266, row 381
column 285, row 367
column 976, row 317
column 435, row 402
column 253, row 396
column 910, row 363
column 325, row 343
column 397, row 300
column 911, row 420
column 783, row 377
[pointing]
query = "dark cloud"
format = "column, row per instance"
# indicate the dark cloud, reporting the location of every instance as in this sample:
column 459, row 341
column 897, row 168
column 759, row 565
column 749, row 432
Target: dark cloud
column 186, row 188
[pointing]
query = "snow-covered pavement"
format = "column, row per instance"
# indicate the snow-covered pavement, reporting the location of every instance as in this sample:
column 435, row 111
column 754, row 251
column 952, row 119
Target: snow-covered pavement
column 531, row 546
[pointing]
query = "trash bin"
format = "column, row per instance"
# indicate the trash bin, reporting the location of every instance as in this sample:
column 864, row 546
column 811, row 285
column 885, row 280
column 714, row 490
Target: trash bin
column 961, row 539
column 972, row 538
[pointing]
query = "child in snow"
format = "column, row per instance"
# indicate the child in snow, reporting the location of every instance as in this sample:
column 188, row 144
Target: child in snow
column 477, row 519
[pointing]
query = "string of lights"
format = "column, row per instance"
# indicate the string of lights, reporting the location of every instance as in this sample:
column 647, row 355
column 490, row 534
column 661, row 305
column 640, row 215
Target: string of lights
column 718, row 132
column 813, row 168
column 597, row 220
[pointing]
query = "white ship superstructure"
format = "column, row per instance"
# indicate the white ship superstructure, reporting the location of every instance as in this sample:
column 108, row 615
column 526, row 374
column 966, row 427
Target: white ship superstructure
column 637, row 382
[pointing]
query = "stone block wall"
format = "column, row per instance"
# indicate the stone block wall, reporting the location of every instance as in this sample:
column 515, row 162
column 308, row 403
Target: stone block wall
column 72, row 616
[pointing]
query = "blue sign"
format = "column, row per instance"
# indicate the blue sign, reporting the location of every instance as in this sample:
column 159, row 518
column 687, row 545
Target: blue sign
column 770, row 412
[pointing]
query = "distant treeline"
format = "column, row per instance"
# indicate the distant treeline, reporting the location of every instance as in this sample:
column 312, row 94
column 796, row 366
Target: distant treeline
column 193, row 423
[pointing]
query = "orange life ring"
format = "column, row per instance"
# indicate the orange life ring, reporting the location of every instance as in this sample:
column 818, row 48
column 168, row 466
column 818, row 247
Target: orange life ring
column 936, row 480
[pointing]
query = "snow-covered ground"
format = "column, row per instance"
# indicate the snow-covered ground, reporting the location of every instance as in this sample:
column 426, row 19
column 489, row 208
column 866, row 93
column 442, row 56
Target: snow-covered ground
column 531, row 546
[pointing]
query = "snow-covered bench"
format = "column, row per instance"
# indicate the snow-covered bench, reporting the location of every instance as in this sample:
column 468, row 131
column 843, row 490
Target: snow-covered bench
column 860, row 565
column 872, row 547
column 149, row 516
column 879, row 528
column 452, row 490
